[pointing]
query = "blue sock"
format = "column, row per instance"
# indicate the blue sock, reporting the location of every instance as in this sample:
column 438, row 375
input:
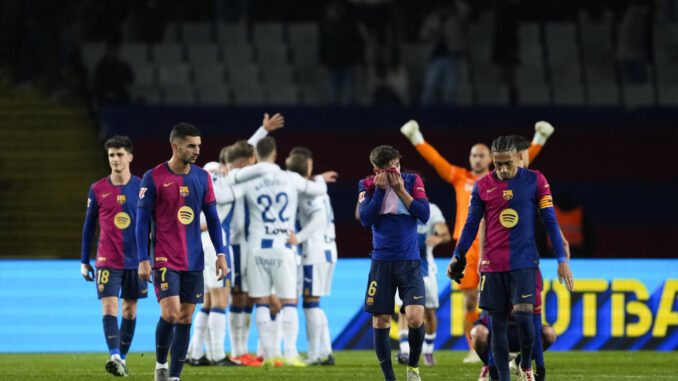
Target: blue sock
column 538, row 350
column 112, row 334
column 382, row 345
column 163, row 338
column 126, row 335
column 415, row 336
column 182, row 335
column 247, row 309
column 273, row 316
column 500, row 349
column 525, row 336
column 490, row 357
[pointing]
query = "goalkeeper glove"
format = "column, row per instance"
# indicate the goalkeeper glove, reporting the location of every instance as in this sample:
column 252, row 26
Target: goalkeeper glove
column 457, row 268
column 542, row 131
column 411, row 131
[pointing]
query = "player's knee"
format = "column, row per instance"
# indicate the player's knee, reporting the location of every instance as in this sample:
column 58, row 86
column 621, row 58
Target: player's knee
column 170, row 316
column 415, row 318
column 129, row 310
column 549, row 336
column 523, row 307
column 381, row 321
column 109, row 306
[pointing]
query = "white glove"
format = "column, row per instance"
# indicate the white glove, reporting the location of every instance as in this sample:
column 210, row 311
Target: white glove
column 411, row 131
column 542, row 131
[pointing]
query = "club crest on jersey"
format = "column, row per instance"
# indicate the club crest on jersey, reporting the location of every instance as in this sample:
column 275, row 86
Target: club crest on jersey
column 120, row 199
column 101, row 288
column 507, row 194
column 369, row 301
column 183, row 191
column 142, row 192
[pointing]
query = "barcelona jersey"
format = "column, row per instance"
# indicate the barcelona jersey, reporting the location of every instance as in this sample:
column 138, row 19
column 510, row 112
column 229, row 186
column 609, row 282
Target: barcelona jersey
column 508, row 207
column 176, row 201
column 116, row 208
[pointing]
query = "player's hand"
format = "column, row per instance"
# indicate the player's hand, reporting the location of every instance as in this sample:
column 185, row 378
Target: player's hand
column 455, row 270
column 434, row 240
column 292, row 239
column 542, row 131
column 87, row 271
column 223, row 170
column 396, row 181
column 566, row 247
column 222, row 267
column 411, row 132
column 380, row 180
column 273, row 123
column 330, row 176
column 145, row 271
column 564, row 273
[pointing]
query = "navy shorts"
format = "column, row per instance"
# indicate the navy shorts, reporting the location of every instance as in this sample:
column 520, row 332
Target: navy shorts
column 502, row 290
column 189, row 285
column 120, row 283
column 387, row 276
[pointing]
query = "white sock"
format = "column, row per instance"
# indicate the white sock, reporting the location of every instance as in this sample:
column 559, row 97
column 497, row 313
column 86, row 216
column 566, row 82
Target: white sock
column 233, row 332
column 217, row 326
column 245, row 322
column 199, row 329
column 161, row 366
column 260, row 347
column 266, row 331
column 325, row 340
column 404, row 344
column 278, row 330
column 314, row 325
column 428, row 347
column 116, row 357
column 290, row 325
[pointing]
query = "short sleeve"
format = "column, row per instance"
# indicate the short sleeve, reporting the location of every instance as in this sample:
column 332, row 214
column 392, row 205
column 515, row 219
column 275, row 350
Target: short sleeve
column 147, row 192
column 543, row 193
column 418, row 191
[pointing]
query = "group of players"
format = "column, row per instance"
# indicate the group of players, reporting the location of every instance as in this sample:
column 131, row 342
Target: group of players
column 262, row 237
column 254, row 209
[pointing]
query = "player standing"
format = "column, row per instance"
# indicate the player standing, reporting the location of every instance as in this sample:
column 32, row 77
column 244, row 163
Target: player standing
column 507, row 198
column 113, row 201
column 171, row 196
column 391, row 203
column 463, row 180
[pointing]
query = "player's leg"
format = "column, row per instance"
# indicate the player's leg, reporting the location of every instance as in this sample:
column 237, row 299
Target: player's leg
column 109, row 282
column 240, row 311
column 217, row 325
column 132, row 289
column 311, row 307
column 196, row 353
column 480, row 337
column 411, row 288
column 325, row 341
column 191, row 291
column 523, row 290
column 494, row 298
column 259, row 285
column 276, row 318
column 403, row 354
column 469, row 287
column 538, row 348
column 379, row 301
column 430, row 318
column 285, row 282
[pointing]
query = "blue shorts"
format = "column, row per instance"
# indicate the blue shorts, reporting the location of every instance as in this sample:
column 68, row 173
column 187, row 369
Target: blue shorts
column 189, row 285
column 502, row 290
column 387, row 276
column 120, row 283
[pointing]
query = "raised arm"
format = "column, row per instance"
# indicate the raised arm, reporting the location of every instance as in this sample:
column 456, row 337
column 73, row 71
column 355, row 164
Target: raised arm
column 88, row 230
column 542, row 131
column 446, row 171
column 267, row 125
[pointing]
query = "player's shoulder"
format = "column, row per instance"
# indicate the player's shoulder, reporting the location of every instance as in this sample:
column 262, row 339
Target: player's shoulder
column 99, row 184
column 366, row 184
column 486, row 181
column 135, row 180
column 533, row 174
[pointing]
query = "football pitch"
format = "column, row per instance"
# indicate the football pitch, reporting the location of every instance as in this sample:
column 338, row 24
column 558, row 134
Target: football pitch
column 350, row 365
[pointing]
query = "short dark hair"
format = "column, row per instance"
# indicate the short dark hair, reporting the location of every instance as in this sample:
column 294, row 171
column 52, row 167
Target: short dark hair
column 520, row 142
column 503, row 144
column 303, row 151
column 119, row 141
column 382, row 155
column 297, row 163
column 238, row 150
column 182, row 130
column 265, row 147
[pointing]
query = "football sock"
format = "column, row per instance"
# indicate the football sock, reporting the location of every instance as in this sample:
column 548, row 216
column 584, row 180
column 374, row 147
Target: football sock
column 429, row 340
column 182, row 334
column 483, row 356
column 199, row 334
column 525, row 337
column 290, row 325
column 233, row 317
column 325, row 340
column 382, row 346
column 163, row 338
column 314, row 326
column 469, row 319
column 500, row 343
column 278, row 334
column 112, row 334
column 265, row 327
column 538, row 350
column 404, row 343
column 126, row 335
column 416, row 338
column 217, row 328
column 244, row 330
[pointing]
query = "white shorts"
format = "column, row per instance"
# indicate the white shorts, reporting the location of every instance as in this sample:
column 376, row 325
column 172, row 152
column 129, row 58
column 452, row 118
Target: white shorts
column 239, row 267
column 431, row 288
column 316, row 279
column 273, row 267
column 210, row 271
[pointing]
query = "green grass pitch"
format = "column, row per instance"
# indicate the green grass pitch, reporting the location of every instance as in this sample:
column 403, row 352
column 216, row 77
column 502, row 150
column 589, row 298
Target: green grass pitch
column 351, row 365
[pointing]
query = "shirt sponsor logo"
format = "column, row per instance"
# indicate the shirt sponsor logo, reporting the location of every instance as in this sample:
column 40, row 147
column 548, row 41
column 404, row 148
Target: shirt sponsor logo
column 508, row 218
column 183, row 191
column 507, row 194
column 269, row 262
column 185, row 215
column 106, row 194
column 120, row 199
column 142, row 192
column 122, row 220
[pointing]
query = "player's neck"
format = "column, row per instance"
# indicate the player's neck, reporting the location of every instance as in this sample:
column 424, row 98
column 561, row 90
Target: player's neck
column 481, row 174
column 120, row 178
column 179, row 167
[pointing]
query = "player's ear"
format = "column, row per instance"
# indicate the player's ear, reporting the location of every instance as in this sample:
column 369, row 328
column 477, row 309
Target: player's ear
column 131, row 157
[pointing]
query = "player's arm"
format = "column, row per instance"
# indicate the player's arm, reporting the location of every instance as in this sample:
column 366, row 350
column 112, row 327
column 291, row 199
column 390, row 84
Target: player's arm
column 548, row 215
column 442, row 235
column 267, row 125
column 88, row 229
column 147, row 194
column 315, row 224
column 481, row 243
column 313, row 188
column 370, row 203
column 476, row 209
column 448, row 172
column 416, row 203
column 209, row 208
column 542, row 131
column 253, row 171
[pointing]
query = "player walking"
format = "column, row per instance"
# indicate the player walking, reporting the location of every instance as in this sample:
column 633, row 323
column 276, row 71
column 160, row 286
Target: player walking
column 391, row 203
column 113, row 201
column 507, row 198
column 172, row 194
